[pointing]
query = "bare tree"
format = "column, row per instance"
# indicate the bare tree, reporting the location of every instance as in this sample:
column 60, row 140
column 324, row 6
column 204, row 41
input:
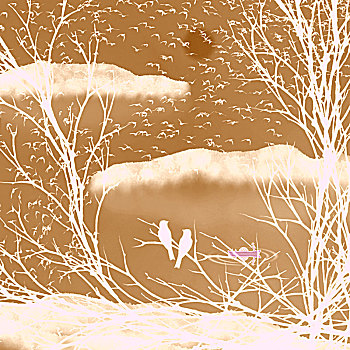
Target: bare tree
column 300, row 51
column 301, row 59
column 48, row 197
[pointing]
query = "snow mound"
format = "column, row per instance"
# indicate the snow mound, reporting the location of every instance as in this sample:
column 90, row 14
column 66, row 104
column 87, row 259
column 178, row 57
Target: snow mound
column 75, row 321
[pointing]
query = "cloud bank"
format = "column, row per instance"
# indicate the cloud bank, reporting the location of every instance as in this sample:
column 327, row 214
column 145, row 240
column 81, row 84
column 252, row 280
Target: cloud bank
column 75, row 79
column 214, row 166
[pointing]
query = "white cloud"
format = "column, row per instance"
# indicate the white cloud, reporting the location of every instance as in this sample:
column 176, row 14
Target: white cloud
column 73, row 79
column 233, row 167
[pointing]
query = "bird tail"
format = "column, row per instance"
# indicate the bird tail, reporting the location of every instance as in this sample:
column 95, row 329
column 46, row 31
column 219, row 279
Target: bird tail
column 178, row 263
column 171, row 254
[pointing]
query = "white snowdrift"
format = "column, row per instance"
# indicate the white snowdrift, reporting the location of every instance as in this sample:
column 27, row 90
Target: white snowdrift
column 70, row 321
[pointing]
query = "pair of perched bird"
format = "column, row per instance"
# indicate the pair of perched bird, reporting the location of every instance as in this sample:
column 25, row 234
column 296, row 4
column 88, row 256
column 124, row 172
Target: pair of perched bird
column 185, row 242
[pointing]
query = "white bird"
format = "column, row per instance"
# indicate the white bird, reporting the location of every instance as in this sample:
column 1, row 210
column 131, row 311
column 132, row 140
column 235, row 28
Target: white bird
column 122, row 35
column 136, row 49
column 157, row 35
column 185, row 245
column 164, row 235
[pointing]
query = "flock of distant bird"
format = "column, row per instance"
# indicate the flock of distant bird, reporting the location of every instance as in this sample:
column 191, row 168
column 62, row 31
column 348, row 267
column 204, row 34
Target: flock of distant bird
column 173, row 40
column 210, row 74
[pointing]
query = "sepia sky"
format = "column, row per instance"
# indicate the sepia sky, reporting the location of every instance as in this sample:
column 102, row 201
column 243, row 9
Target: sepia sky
column 188, row 41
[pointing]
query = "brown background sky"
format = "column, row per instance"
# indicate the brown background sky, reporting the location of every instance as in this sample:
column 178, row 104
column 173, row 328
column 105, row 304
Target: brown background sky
column 145, row 33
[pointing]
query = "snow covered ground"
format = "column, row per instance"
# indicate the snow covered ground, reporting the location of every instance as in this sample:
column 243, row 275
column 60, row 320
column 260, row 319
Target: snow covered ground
column 77, row 322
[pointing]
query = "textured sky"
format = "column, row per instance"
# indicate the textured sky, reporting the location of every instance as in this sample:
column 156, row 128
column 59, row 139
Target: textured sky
column 189, row 41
